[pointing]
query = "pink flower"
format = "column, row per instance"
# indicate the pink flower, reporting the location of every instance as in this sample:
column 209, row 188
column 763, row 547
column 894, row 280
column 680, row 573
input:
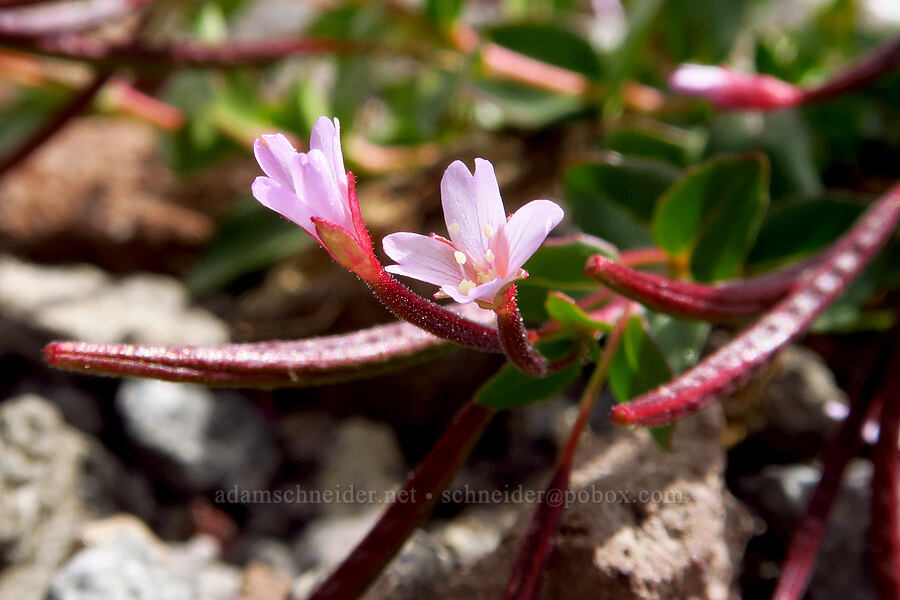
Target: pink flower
column 313, row 190
column 486, row 250
column 728, row 88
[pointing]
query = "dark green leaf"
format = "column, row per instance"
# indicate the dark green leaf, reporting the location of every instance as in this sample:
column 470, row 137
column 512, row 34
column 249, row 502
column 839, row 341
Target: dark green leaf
column 614, row 199
column 550, row 44
column 677, row 146
column 443, row 13
column 711, row 216
column 799, row 229
column 681, row 342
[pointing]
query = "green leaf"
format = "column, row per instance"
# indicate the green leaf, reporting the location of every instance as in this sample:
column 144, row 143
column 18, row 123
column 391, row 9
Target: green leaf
column 638, row 367
column 614, row 199
column 786, row 233
column 508, row 103
column 679, row 147
column 251, row 238
column 558, row 265
column 510, row 387
column 563, row 309
column 711, row 216
column 703, row 30
column 681, row 342
column 550, row 44
column 443, row 13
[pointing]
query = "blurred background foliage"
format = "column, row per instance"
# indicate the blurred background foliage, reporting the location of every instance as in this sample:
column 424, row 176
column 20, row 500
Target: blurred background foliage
column 631, row 162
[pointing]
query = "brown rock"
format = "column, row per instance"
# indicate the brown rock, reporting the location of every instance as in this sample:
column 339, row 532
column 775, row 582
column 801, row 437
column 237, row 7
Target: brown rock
column 643, row 524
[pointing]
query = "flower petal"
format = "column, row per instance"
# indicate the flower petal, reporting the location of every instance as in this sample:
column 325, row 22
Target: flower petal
column 472, row 206
column 274, row 196
column 326, row 137
column 274, row 154
column 422, row 258
column 524, row 233
column 315, row 184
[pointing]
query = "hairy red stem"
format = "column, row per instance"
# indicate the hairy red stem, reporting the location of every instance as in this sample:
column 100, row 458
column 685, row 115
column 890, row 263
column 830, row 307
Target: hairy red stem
column 431, row 317
column 723, row 302
column 733, row 364
column 56, row 122
column 514, row 337
column 413, row 505
column 526, row 574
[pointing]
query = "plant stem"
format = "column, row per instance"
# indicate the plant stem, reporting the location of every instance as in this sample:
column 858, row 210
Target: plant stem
column 72, row 108
column 411, row 307
column 413, row 505
column 514, row 336
column 526, row 574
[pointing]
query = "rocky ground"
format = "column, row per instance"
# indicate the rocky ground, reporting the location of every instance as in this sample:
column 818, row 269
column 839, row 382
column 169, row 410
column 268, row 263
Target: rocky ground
column 120, row 489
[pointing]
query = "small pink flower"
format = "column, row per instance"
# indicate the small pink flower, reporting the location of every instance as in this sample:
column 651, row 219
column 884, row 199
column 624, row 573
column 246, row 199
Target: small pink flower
column 728, row 88
column 486, row 250
column 313, row 190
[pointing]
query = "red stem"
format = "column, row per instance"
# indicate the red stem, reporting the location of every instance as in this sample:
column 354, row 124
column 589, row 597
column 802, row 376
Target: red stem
column 801, row 554
column 413, row 505
column 733, row 364
column 71, row 109
column 723, row 302
column 411, row 307
column 884, row 527
column 881, row 62
column 514, row 336
column 178, row 54
column 526, row 574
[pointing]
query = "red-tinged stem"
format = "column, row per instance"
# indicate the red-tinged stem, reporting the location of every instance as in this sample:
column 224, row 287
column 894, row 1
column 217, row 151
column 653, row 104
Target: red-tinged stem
column 884, row 527
column 62, row 17
column 179, row 54
column 268, row 364
column 733, row 364
column 56, row 122
column 882, row 61
column 526, row 574
column 411, row 307
column 127, row 99
column 723, row 302
column 639, row 257
column 514, row 337
column 801, row 554
column 413, row 505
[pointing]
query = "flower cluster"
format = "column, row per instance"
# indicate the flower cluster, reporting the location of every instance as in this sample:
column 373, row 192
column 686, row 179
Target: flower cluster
column 482, row 257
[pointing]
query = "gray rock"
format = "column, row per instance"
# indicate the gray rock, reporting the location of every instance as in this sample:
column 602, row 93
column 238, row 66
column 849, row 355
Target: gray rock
column 781, row 492
column 107, row 487
column 125, row 567
column 645, row 524
column 40, row 509
column 82, row 302
column 363, row 456
column 122, row 559
column 200, row 439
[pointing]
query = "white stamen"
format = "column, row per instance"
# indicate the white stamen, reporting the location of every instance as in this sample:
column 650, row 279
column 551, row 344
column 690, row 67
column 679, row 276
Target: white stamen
column 489, row 255
column 453, row 228
column 488, row 231
column 465, row 285
column 460, row 257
